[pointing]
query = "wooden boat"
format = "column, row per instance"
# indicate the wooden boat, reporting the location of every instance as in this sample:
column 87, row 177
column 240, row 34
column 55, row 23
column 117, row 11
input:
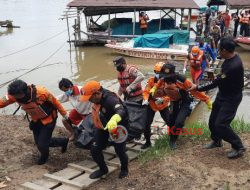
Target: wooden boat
column 243, row 42
column 171, row 45
column 149, row 53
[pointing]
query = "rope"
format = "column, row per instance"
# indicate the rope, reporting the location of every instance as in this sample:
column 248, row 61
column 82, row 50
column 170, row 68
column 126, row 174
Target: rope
column 36, row 67
column 19, row 70
column 33, row 45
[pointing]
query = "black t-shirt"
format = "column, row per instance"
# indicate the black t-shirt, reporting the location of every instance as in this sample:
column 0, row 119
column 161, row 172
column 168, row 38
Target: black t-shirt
column 231, row 79
column 111, row 105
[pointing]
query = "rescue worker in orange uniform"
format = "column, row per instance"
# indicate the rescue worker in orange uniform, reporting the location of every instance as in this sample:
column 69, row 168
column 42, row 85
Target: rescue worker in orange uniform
column 143, row 18
column 176, row 88
column 196, row 57
column 107, row 112
column 42, row 107
column 156, row 100
column 244, row 20
column 130, row 79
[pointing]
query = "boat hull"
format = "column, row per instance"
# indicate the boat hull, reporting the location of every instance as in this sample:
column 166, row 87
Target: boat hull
column 244, row 42
column 148, row 54
column 244, row 46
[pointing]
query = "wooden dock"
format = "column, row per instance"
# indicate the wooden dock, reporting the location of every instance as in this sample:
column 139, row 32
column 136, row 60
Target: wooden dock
column 76, row 175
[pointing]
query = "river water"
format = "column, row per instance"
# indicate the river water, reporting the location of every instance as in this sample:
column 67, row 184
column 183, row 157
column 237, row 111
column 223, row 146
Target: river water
column 42, row 40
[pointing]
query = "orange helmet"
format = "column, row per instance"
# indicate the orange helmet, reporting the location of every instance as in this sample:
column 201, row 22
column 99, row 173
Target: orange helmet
column 195, row 50
column 158, row 67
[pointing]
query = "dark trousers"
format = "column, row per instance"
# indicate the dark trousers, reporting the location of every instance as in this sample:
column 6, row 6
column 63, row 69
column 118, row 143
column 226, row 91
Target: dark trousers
column 236, row 24
column 43, row 137
column 181, row 110
column 101, row 141
column 223, row 112
column 244, row 29
column 150, row 117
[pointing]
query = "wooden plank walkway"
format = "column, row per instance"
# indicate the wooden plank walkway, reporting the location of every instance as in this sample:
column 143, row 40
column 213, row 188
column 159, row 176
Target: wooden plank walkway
column 76, row 175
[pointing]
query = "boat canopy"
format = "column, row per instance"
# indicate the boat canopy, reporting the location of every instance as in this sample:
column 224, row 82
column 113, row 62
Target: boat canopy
column 179, row 36
column 162, row 39
column 153, row 41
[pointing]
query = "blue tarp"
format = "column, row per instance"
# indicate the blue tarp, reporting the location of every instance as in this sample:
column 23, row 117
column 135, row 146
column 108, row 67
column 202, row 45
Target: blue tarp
column 153, row 40
column 179, row 36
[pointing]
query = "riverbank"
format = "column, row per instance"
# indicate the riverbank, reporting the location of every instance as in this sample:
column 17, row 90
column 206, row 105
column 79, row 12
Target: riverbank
column 18, row 153
column 189, row 167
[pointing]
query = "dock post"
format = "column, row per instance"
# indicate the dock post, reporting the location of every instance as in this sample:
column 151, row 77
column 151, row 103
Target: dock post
column 109, row 25
column 78, row 25
column 67, row 19
column 160, row 21
column 134, row 22
column 182, row 11
column 189, row 18
column 175, row 17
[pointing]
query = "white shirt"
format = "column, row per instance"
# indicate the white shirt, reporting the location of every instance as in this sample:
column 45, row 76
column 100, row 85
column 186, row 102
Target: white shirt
column 80, row 106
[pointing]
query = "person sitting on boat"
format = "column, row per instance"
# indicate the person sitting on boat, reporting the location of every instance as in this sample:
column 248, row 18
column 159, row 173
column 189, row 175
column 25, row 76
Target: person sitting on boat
column 143, row 18
column 156, row 101
column 130, row 79
column 80, row 109
column 176, row 88
column 196, row 58
column 42, row 107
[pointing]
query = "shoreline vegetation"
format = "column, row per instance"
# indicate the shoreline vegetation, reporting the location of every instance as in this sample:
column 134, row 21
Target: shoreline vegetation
column 161, row 147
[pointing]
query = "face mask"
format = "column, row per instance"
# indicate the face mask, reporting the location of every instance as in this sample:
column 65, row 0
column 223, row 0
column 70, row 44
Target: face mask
column 157, row 76
column 120, row 68
column 69, row 92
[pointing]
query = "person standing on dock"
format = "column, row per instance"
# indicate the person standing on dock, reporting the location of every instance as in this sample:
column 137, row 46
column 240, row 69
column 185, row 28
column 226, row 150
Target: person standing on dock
column 80, row 109
column 42, row 107
column 227, row 20
column 143, row 21
column 156, row 101
column 176, row 88
column 107, row 112
column 130, row 79
column 230, row 83
column 244, row 30
column 196, row 58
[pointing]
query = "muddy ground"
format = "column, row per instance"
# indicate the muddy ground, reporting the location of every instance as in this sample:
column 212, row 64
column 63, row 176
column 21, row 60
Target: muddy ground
column 190, row 167
column 18, row 153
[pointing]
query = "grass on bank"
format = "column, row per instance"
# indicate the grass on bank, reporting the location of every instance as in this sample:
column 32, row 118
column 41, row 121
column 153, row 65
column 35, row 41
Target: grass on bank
column 162, row 148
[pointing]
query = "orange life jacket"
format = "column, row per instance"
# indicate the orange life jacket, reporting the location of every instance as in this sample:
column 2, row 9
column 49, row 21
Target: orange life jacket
column 37, row 110
column 172, row 91
column 245, row 19
column 143, row 22
column 125, row 79
column 95, row 116
column 195, row 62
column 159, row 93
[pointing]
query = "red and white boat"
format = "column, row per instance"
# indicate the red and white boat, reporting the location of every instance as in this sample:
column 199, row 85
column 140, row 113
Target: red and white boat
column 243, row 42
